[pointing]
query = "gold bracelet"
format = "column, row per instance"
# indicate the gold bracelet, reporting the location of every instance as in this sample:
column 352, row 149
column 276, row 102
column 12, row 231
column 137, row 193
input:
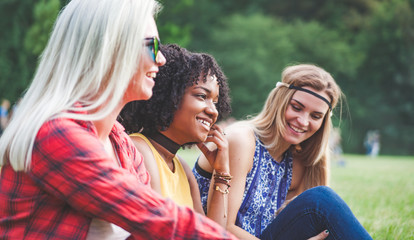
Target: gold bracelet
column 225, row 191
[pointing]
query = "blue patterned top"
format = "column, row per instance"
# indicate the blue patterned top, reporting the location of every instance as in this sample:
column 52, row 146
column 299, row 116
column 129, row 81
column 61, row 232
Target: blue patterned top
column 267, row 185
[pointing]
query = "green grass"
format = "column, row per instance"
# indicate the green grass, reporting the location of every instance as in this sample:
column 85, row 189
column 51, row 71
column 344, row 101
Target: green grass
column 380, row 192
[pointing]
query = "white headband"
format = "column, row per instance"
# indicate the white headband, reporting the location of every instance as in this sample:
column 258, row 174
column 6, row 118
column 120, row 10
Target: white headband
column 281, row 84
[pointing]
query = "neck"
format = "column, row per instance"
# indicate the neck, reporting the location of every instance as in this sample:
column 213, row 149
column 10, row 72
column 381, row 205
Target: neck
column 104, row 125
column 164, row 141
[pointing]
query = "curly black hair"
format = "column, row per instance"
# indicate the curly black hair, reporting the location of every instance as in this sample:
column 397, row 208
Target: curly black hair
column 182, row 70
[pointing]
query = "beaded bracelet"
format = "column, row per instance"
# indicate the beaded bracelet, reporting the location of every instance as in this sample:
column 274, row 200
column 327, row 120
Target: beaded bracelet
column 224, row 178
column 218, row 180
column 225, row 175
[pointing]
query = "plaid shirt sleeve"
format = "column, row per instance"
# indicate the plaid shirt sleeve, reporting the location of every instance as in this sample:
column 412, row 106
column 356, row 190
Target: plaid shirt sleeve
column 70, row 164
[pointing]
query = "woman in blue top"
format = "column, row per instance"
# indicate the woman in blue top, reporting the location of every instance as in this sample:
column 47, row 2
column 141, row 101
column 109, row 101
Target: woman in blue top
column 279, row 154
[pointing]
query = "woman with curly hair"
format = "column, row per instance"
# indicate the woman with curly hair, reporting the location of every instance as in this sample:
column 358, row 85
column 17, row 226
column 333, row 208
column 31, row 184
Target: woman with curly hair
column 190, row 95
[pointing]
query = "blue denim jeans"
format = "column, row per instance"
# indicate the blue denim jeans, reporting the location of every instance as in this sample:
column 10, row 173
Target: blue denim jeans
column 312, row 212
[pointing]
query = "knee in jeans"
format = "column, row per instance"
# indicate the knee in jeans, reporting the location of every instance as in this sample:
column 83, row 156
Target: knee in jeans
column 324, row 195
column 321, row 191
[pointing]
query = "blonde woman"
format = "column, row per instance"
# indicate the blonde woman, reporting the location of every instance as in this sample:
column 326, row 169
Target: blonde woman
column 279, row 154
column 68, row 169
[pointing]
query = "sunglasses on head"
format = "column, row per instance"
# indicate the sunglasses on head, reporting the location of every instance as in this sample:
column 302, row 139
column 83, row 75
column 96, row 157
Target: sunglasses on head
column 153, row 46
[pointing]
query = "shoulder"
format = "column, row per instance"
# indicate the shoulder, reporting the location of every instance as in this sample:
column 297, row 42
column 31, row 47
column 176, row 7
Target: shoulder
column 63, row 134
column 61, row 141
column 240, row 129
column 143, row 147
column 66, row 126
column 242, row 144
column 240, row 135
column 140, row 142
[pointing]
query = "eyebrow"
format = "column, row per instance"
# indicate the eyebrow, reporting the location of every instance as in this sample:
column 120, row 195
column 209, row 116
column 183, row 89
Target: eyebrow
column 204, row 88
column 304, row 105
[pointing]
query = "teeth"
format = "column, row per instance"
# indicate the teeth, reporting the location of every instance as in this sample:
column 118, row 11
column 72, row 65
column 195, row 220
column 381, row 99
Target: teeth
column 204, row 122
column 152, row 74
column 297, row 129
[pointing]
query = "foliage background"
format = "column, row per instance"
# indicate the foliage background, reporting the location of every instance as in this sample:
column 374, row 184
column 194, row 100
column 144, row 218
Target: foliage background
column 367, row 45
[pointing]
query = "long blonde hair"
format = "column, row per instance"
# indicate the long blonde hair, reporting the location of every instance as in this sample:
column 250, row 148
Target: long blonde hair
column 92, row 54
column 270, row 123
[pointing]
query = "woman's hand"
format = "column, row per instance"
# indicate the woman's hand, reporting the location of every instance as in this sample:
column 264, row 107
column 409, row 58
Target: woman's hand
column 320, row 236
column 218, row 157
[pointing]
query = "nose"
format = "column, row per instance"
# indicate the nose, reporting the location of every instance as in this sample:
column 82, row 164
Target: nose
column 303, row 120
column 161, row 60
column 211, row 110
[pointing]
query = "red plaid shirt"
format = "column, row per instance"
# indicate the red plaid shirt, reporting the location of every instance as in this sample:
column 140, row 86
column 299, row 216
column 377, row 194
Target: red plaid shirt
column 73, row 179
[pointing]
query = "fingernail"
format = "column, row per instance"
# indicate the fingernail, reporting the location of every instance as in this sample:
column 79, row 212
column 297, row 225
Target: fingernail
column 327, row 231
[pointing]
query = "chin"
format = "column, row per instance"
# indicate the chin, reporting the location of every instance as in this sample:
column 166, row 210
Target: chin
column 292, row 141
column 202, row 138
column 146, row 96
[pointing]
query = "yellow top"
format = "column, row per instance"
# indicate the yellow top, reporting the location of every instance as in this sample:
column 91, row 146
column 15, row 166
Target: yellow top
column 174, row 185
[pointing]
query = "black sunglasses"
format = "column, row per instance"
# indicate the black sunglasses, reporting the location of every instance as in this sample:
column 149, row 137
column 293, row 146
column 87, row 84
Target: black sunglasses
column 153, row 45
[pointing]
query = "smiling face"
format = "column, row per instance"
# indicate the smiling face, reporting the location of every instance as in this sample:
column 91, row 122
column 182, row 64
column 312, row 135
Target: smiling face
column 196, row 113
column 304, row 116
column 141, row 84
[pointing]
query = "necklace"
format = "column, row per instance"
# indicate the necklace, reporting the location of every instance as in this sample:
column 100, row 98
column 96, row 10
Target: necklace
column 164, row 141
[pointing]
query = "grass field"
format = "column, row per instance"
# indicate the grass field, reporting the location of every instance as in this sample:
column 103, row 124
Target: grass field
column 379, row 191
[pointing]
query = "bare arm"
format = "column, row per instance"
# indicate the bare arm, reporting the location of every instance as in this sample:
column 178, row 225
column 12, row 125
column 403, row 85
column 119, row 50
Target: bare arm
column 241, row 150
column 217, row 157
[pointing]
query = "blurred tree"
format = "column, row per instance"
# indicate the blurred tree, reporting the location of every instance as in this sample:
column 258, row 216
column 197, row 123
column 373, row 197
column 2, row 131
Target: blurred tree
column 338, row 14
column 384, row 98
column 252, row 57
column 16, row 66
column 173, row 24
column 253, row 50
column 189, row 23
column 45, row 13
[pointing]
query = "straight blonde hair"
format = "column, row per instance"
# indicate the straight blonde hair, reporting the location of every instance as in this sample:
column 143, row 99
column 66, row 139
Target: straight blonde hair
column 92, row 54
column 270, row 123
